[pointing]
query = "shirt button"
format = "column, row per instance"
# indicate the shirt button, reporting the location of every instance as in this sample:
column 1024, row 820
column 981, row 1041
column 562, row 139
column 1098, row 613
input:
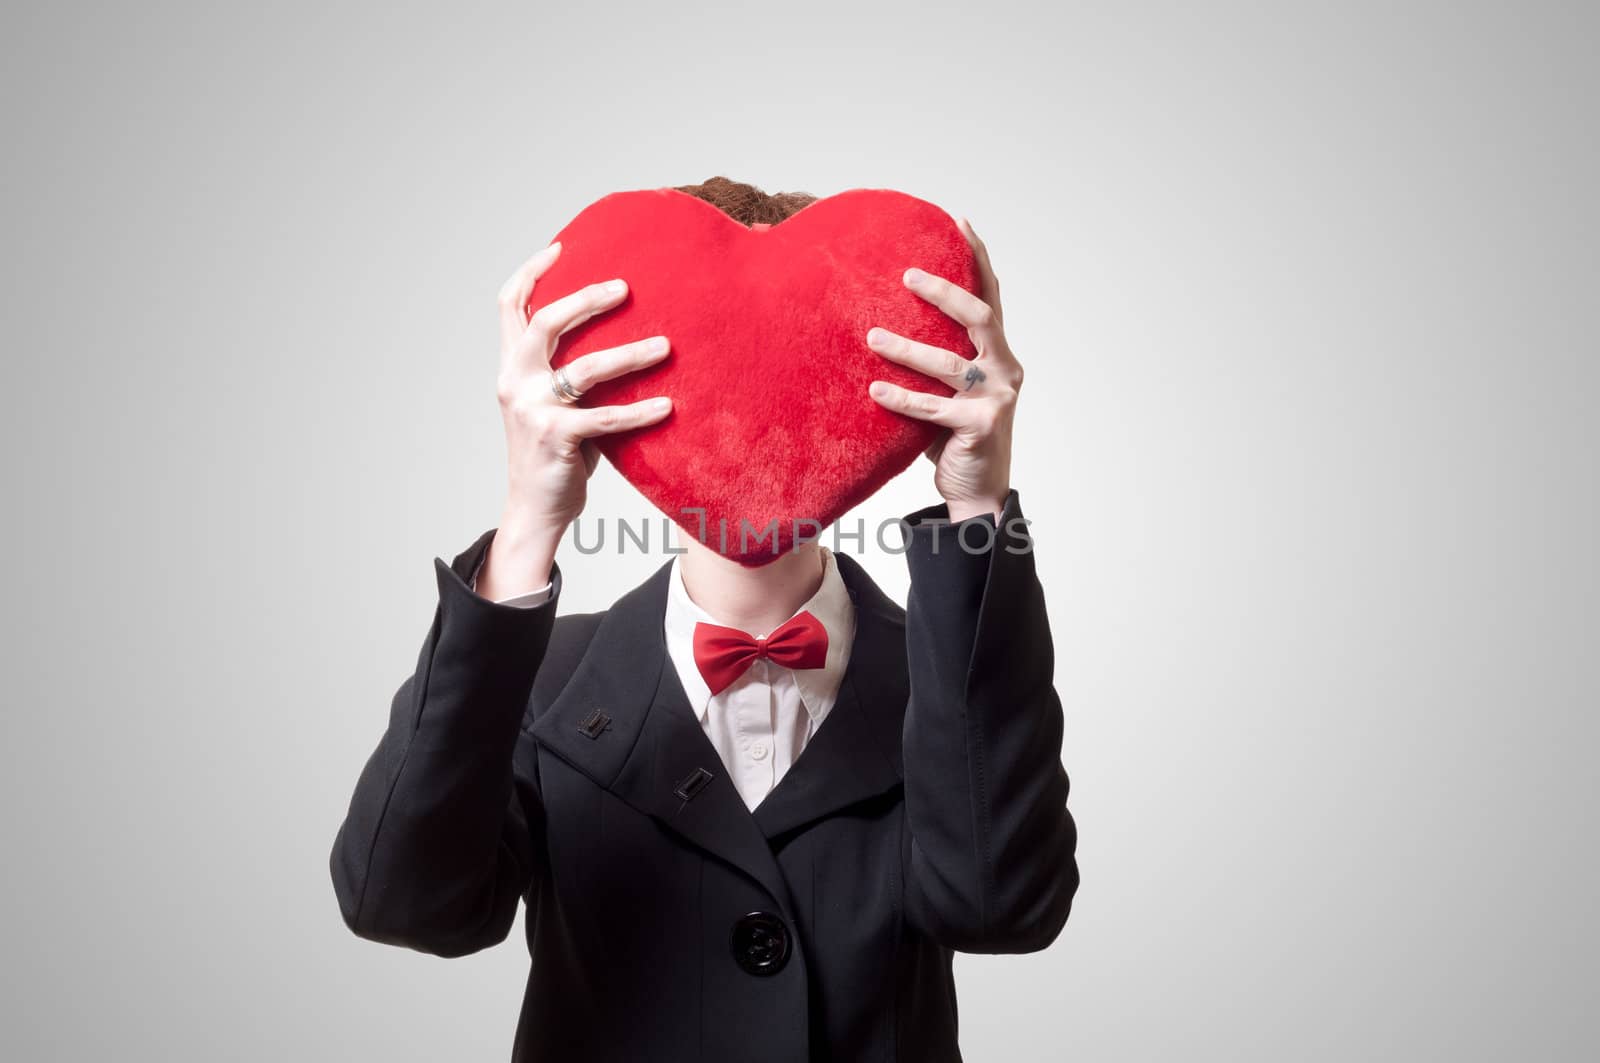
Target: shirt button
column 759, row 750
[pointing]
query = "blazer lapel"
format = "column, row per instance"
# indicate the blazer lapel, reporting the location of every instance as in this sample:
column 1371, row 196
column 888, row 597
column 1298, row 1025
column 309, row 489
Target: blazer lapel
column 648, row 749
column 855, row 753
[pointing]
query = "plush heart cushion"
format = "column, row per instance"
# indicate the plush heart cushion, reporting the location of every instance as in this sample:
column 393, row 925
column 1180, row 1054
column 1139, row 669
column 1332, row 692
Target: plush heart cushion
column 769, row 367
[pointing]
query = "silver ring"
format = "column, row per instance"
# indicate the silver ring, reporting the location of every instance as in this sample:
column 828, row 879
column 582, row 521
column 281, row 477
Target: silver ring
column 563, row 387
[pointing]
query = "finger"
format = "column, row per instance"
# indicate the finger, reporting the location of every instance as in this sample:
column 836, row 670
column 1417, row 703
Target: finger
column 585, row 372
column 536, row 343
column 945, row 366
column 604, row 420
column 991, row 284
column 515, row 291
column 967, row 309
column 935, row 409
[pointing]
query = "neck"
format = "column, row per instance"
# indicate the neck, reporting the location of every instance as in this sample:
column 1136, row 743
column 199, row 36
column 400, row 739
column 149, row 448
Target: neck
column 754, row 600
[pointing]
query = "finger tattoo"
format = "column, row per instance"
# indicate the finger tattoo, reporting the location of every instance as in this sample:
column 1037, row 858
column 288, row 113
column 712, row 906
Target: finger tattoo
column 974, row 377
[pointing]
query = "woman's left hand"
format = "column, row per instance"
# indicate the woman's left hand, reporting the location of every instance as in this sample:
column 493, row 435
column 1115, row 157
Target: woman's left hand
column 972, row 460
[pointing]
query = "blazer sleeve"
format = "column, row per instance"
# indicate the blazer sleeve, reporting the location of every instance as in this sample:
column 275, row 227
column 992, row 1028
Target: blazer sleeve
column 992, row 847
column 439, row 842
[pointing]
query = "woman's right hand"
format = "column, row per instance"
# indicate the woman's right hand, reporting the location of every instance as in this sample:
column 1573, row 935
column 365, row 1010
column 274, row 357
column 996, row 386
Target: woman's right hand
column 549, row 443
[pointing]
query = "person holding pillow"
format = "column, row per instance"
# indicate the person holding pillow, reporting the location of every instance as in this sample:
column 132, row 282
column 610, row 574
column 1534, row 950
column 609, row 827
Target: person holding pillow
column 753, row 810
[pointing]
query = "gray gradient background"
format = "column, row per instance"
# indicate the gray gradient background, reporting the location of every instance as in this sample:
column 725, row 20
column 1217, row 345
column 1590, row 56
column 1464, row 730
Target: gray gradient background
column 1307, row 297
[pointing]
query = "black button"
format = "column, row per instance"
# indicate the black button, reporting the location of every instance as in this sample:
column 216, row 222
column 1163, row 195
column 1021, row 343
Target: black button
column 760, row 943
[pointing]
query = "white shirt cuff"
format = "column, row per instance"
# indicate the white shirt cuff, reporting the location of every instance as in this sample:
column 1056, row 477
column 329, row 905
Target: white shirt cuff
column 526, row 600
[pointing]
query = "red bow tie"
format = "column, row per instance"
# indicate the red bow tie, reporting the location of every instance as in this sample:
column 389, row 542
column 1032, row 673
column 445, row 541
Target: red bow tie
column 723, row 653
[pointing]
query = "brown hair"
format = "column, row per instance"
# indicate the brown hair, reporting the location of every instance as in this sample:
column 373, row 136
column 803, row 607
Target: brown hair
column 747, row 204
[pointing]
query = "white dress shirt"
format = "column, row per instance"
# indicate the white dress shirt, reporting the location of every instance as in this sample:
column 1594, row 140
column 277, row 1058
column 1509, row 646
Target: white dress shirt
column 521, row 601
column 761, row 721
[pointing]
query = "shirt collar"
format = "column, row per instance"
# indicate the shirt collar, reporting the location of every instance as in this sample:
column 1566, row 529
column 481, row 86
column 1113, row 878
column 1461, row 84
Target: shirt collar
column 819, row 687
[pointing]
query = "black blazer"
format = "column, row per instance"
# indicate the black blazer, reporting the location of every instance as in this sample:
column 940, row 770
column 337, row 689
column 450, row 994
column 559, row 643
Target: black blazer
column 556, row 761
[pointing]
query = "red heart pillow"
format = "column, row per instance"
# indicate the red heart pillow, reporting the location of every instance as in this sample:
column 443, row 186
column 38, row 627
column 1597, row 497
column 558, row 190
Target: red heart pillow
column 768, row 373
